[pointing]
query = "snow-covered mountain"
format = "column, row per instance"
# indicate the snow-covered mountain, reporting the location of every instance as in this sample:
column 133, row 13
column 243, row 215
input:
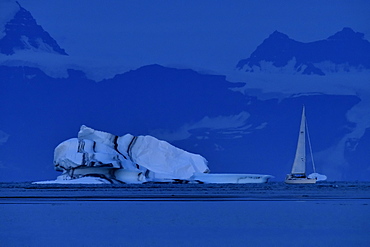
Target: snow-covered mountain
column 23, row 33
column 346, row 50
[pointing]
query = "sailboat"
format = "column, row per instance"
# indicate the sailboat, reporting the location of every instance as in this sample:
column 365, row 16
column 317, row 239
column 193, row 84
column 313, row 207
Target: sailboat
column 298, row 173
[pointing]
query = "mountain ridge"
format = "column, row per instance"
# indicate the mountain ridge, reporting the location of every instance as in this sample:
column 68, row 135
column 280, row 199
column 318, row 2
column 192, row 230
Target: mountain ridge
column 345, row 50
column 198, row 112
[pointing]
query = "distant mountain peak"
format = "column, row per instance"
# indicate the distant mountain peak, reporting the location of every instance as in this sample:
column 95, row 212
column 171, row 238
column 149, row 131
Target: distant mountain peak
column 23, row 33
column 346, row 50
column 278, row 35
column 346, row 34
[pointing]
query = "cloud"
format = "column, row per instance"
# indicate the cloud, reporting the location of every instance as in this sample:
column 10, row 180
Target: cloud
column 233, row 126
column 332, row 161
column 3, row 137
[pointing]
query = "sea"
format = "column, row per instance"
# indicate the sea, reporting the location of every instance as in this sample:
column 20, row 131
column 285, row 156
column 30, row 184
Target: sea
column 176, row 214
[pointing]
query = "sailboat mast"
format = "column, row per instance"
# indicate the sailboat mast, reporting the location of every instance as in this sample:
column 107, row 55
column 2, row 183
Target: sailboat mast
column 309, row 144
column 299, row 165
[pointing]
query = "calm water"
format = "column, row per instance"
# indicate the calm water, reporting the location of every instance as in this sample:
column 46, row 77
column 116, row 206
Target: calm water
column 152, row 191
column 324, row 214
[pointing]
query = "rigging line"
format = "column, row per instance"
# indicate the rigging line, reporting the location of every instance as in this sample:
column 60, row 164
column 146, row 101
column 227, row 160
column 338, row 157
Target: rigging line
column 309, row 144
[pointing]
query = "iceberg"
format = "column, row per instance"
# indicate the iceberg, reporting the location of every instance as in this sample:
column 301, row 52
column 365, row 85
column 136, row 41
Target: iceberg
column 100, row 157
column 317, row 176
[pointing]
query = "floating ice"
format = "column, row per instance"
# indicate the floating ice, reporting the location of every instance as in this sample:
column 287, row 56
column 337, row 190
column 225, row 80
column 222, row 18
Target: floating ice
column 100, row 157
column 128, row 158
column 319, row 177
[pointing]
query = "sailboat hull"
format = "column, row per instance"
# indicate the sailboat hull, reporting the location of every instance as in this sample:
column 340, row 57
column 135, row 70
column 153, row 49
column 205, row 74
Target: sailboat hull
column 300, row 181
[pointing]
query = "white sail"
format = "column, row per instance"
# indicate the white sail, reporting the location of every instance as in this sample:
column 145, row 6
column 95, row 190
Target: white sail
column 299, row 165
column 298, row 173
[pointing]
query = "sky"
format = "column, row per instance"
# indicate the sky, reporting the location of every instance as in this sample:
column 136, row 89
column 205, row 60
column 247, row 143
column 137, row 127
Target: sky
column 206, row 35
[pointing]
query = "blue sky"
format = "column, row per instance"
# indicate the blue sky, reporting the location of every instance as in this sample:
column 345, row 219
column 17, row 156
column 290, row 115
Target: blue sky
column 205, row 35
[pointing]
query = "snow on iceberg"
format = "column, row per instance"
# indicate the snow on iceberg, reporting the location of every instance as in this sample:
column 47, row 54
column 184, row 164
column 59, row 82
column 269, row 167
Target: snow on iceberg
column 100, row 157
column 128, row 158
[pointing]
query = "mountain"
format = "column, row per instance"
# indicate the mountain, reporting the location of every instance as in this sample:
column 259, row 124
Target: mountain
column 197, row 112
column 23, row 33
column 39, row 111
column 346, row 50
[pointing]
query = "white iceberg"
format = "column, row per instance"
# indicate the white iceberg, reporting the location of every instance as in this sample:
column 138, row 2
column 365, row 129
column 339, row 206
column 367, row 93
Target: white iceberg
column 317, row 176
column 100, row 157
